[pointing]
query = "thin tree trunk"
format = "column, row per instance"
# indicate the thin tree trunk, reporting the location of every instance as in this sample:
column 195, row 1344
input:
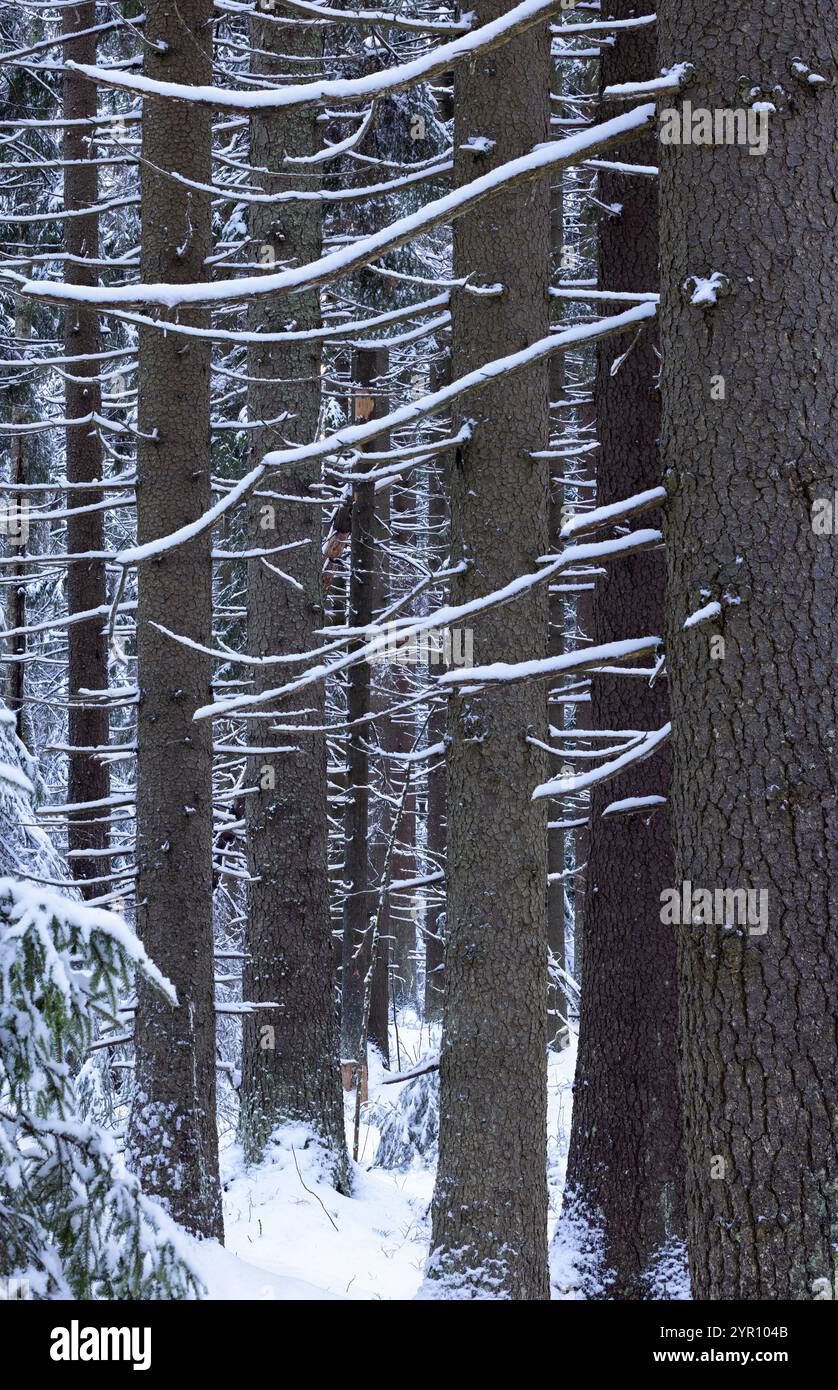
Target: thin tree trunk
column 87, row 778
column 368, row 366
column 16, row 608
column 748, row 407
column 557, row 1003
column 435, row 911
column 290, row 1054
column 625, row 1166
column 437, row 800
column 582, row 426
column 173, row 1124
column 437, row 818
column 380, row 736
column 399, row 732
column 490, row 1201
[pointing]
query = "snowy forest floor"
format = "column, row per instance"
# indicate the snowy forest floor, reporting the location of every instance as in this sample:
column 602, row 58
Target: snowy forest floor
column 289, row 1235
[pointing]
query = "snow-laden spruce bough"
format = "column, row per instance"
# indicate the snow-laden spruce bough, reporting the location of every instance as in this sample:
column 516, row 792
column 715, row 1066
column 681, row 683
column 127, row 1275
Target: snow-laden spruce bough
column 74, row 1222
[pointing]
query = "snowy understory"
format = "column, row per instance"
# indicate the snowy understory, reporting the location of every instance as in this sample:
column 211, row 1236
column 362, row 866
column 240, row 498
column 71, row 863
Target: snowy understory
column 289, row 1235
column 74, row 1223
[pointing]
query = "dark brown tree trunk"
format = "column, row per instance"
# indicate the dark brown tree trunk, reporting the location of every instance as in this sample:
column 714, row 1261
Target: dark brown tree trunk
column 16, row 607
column 578, row 369
column 557, row 1003
column 399, row 732
column 437, row 817
column 380, row 735
column 748, row 407
column 435, row 911
column 173, row 1135
column 625, row 1166
column 87, row 778
column 369, row 366
column 490, row 1202
column 290, row 1054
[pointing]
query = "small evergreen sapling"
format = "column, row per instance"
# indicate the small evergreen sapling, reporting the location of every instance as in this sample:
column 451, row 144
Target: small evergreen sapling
column 73, row 1222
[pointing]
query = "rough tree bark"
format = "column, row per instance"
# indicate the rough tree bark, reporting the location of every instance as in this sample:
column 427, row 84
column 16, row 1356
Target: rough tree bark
column 290, row 1054
column 16, row 602
column 397, row 735
column 173, row 1136
column 490, row 1201
column 87, row 778
column 748, row 407
column 437, row 787
column 625, row 1165
column 557, row 1002
column 369, row 366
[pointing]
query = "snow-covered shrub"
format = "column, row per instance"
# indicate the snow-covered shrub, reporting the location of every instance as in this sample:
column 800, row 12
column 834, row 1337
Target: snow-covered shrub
column 24, row 847
column 73, row 1222
column 409, row 1127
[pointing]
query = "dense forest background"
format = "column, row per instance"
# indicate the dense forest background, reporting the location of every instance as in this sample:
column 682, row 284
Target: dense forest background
column 418, row 768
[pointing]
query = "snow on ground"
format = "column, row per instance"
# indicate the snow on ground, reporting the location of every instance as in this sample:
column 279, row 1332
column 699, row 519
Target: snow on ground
column 289, row 1235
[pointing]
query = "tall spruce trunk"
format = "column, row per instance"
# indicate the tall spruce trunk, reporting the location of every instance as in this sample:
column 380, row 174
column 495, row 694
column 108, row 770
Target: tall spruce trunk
column 369, row 366
column 290, row 1053
column 625, row 1165
column 436, row 823
column 16, row 602
column 490, row 1202
column 87, row 668
column 397, row 736
column 557, row 999
column 173, row 1136
column 437, row 788
column 749, row 405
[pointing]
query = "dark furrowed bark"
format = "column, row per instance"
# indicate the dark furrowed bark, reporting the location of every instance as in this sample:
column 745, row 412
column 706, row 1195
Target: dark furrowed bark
column 87, row 779
column 625, row 1165
column 173, row 1137
column 16, row 602
column 290, row 1053
column 754, row 692
column 369, row 367
column 437, row 827
column 490, row 1201
column 557, row 1002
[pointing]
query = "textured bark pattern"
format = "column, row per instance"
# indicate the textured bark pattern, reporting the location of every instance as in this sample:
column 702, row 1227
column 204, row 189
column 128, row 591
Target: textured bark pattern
column 87, row 780
column 380, row 816
column 437, row 821
column 437, row 829
column 557, row 1003
column 490, row 1202
column 16, row 609
column 173, row 1124
column 397, row 736
column 755, row 772
column 435, row 911
column 581, row 420
column 625, row 1166
column 360, row 905
column 290, row 1056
